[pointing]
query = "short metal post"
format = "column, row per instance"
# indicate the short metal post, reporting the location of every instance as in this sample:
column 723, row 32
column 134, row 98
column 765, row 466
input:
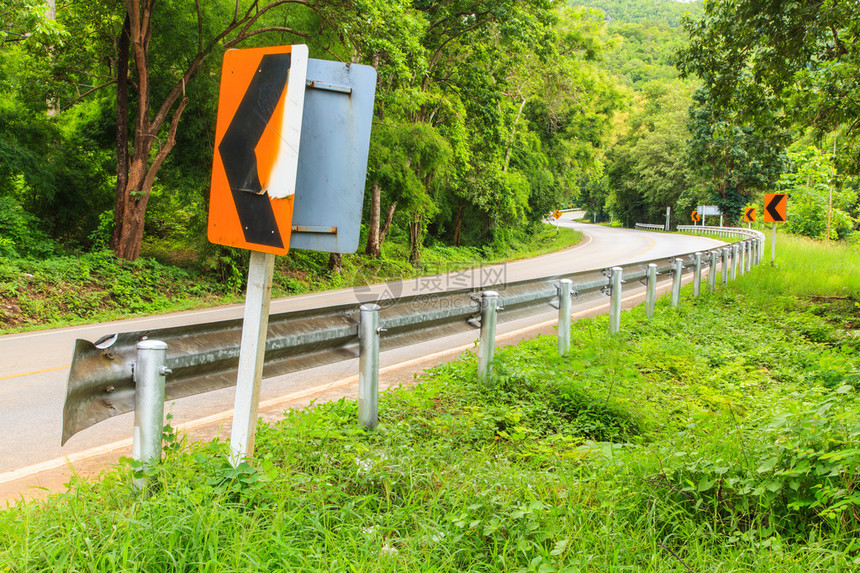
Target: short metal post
column 678, row 271
column 615, row 301
column 489, row 304
column 742, row 262
column 564, row 289
column 725, row 265
column 712, row 272
column 750, row 248
column 368, row 366
column 251, row 354
column 651, row 290
column 734, row 269
column 697, row 277
column 149, row 373
column 773, row 245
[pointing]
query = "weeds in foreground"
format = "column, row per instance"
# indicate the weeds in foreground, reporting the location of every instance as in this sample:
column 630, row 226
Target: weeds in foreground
column 719, row 436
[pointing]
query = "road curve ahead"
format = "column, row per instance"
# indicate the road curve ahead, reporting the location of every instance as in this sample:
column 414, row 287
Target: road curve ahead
column 34, row 366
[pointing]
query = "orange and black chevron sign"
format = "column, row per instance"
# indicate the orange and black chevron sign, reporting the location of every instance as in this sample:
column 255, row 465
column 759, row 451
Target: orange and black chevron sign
column 257, row 137
column 775, row 207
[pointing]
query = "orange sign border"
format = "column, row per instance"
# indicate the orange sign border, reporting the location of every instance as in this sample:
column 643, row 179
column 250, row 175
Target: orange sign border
column 238, row 69
column 781, row 207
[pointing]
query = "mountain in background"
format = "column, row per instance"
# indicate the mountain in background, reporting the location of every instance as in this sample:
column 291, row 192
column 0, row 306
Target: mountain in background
column 644, row 36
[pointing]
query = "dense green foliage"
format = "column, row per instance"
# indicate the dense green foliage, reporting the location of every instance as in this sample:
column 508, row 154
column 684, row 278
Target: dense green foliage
column 784, row 74
column 488, row 114
column 719, row 436
column 755, row 101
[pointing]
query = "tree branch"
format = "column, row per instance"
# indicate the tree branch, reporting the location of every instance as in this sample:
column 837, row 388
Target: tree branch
column 165, row 149
column 86, row 93
column 477, row 15
column 432, row 62
column 284, row 29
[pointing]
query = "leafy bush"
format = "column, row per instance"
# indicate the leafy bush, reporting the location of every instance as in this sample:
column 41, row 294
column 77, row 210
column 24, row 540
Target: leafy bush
column 789, row 476
column 20, row 235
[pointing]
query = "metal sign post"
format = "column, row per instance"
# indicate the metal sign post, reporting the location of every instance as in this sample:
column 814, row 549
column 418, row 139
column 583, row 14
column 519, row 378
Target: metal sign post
column 773, row 244
column 251, row 354
column 775, row 211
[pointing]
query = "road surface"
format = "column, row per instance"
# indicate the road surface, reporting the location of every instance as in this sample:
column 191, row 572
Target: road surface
column 34, row 366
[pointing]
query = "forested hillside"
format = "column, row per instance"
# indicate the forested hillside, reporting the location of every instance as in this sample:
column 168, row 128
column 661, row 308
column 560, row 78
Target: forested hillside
column 489, row 115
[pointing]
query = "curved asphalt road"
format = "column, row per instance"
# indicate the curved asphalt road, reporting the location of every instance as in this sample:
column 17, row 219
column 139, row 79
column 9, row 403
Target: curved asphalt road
column 34, row 366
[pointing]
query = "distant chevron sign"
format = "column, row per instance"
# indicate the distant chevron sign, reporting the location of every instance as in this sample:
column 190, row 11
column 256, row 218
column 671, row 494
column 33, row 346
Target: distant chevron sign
column 775, row 207
column 257, row 138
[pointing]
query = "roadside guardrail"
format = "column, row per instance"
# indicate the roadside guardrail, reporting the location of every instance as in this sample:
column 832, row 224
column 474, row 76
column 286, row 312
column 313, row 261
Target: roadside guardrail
column 649, row 227
column 106, row 375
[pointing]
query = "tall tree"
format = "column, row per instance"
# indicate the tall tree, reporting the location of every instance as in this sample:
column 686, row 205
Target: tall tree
column 738, row 159
column 155, row 122
column 800, row 58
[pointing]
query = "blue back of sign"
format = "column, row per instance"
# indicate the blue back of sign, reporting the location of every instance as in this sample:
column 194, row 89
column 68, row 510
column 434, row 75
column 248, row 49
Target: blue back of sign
column 338, row 113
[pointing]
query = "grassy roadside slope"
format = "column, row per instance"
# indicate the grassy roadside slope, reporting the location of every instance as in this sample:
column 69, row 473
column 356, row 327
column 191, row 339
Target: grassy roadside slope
column 96, row 287
column 719, row 436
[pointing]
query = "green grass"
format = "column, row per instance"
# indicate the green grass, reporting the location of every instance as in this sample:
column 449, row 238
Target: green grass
column 804, row 267
column 718, row 436
column 96, row 287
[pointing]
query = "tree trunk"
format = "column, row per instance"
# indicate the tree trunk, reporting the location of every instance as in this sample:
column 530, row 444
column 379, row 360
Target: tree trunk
column 387, row 224
column 511, row 137
column 52, row 102
column 132, row 197
column 121, row 132
column 373, row 225
column 136, row 176
column 131, row 231
column 458, row 226
column 415, row 240
column 335, row 263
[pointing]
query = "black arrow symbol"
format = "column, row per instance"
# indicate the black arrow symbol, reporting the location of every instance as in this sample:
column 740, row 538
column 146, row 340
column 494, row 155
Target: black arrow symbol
column 750, row 216
column 237, row 150
column 771, row 208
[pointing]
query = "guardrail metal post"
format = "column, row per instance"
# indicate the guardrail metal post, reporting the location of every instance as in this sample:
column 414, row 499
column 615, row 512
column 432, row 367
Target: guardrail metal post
column 712, row 272
column 725, row 265
column 742, row 262
column 651, row 290
column 750, row 245
column 368, row 365
column 734, row 270
column 615, row 301
column 564, row 289
column 697, row 277
column 486, row 347
column 678, row 271
column 149, row 373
